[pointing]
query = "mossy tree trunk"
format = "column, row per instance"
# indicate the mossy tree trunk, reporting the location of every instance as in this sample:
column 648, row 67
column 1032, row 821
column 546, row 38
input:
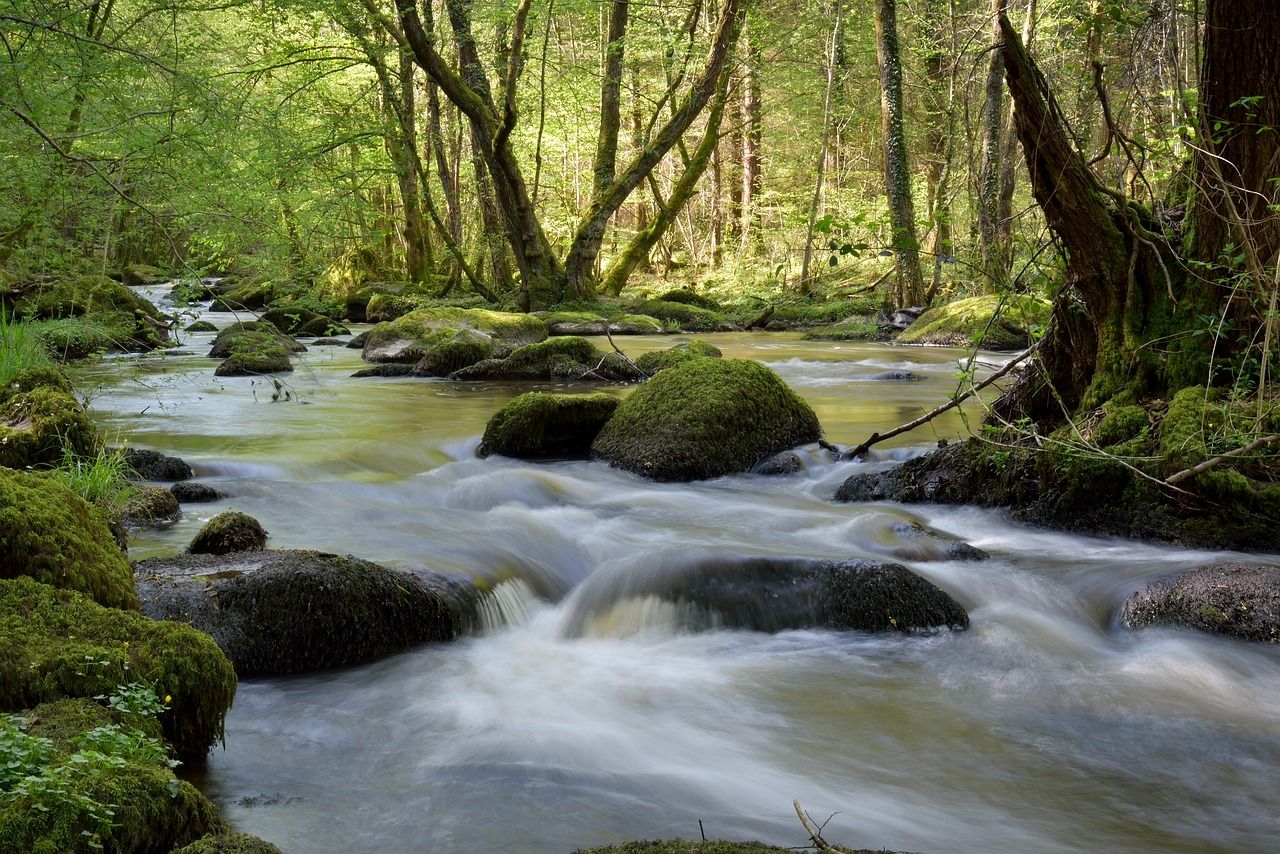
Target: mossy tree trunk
column 1128, row 320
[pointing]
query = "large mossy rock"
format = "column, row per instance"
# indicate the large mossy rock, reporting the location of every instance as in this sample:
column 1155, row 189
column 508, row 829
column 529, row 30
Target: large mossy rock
column 1238, row 600
column 705, row 418
column 277, row 612
column 250, row 336
column 150, row 809
column 51, row 534
column 230, row 531
column 539, row 425
column 682, row 317
column 410, row 338
column 37, row 427
column 229, row 843
column 58, row 643
column 115, row 318
column 774, row 594
column 246, row 296
column 991, row 322
column 151, row 506
column 589, row 323
column 659, row 360
column 568, row 358
column 268, row 358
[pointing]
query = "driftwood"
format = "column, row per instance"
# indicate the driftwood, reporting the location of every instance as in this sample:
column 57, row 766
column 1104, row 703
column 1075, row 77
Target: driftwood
column 815, row 832
column 876, row 438
column 1219, row 460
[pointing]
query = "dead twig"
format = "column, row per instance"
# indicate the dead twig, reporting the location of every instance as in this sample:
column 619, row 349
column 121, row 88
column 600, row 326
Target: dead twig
column 1219, row 460
column 815, row 832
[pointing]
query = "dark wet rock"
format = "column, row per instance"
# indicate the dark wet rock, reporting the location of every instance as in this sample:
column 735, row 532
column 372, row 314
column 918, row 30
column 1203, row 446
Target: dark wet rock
column 229, row 532
column 902, row 318
column 388, row 370
column 538, row 425
column 329, row 342
column 151, row 506
column 776, row 594
column 290, row 318
column 787, row 462
column 917, row 542
column 202, row 326
column 189, row 492
column 896, row 376
column 705, row 418
column 322, row 326
column 278, row 612
column 659, row 360
column 358, row 342
column 1239, row 600
column 153, row 465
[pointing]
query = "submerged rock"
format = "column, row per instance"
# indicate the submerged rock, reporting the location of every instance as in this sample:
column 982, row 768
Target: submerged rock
column 705, row 418
column 1238, row 600
column 229, row 532
column 787, row 462
column 278, row 612
column 538, row 425
column 774, row 594
column 153, row 465
column 51, row 534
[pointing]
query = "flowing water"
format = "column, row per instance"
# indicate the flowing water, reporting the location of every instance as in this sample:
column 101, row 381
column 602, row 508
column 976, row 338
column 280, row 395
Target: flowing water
column 1042, row 728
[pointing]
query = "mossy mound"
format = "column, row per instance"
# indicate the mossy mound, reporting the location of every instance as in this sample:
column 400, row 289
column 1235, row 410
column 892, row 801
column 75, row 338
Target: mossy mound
column 38, row 426
column 991, row 322
column 251, row 336
column 246, row 296
column 58, row 643
column 567, row 357
column 689, row 297
column 88, row 314
column 411, row 337
column 272, row 359
column 659, row 360
column 538, row 425
column 384, row 307
column 81, row 295
column 679, row 317
column 705, row 418
column 51, row 534
column 67, row 806
column 279, row 612
column 143, row 274
column 229, row 532
column 289, row 318
column 321, row 326
column 589, row 323
column 39, row 376
column 229, row 843
column 202, row 326
column 777, row 594
column 153, row 465
column 854, row 329
column 151, row 505
column 466, row 347
column 1238, row 600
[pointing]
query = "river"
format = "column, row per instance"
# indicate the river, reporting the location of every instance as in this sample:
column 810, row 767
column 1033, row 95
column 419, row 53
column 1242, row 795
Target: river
column 1043, row 728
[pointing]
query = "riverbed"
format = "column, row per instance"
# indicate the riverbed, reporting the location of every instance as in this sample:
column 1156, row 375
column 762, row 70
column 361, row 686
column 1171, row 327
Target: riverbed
column 1043, row 728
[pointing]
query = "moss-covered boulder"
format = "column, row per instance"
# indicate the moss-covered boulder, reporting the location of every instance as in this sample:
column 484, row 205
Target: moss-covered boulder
column 229, row 532
column 147, row 464
column 151, row 505
column 188, row 492
column 464, row 348
column 51, row 534
column 555, row 357
column 288, row 318
column 277, row 612
column 659, row 360
column 774, row 594
column 96, row 779
column 1239, row 600
column 249, row 336
column 588, row 323
column 32, row 378
column 57, row 643
column 38, row 426
column 246, row 296
column 705, row 418
column 229, row 843
column 201, row 326
column 411, row 337
column 320, row 326
column 384, row 307
column 538, row 425
column 92, row 313
column 687, row 296
column 681, row 317
column 991, row 322
column 270, row 358
column 143, row 274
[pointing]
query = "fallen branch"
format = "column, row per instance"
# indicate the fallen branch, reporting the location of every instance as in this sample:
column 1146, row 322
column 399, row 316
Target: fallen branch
column 616, row 349
column 876, row 438
column 1219, row 460
column 815, row 832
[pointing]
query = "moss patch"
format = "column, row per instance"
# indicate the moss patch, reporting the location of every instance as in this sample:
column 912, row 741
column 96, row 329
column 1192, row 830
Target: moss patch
column 231, row 531
column 38, row 426
column 40, row 376
column 705, row 418
column 680, row 317
column 465, row 348
column 973, row 322
column 229, row 843
column 87, row 314
column 538, row 425
column 51, row 534
column 249, row 337
column 853, row 329
column 57, row 643
column 658, row 360
column 413, row 336
column 151, row 505
column 568, row 356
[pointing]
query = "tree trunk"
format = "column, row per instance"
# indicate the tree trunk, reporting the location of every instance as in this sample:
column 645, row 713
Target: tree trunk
column 910, row 285
column 1009, row 163
column 821, row 170
column 753, row 136
column 994, row 264
column 939, row 99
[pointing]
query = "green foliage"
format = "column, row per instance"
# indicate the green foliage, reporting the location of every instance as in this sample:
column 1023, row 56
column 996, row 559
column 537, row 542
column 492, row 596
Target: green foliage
column 58, row 644
column 21, row 350
column 102, row 479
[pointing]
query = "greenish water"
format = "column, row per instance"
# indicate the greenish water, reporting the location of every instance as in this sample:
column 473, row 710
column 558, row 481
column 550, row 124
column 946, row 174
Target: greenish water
column 1043, row 728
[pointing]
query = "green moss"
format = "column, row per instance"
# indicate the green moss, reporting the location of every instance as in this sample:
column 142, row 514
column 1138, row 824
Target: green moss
column 150, row 505
column 706, row 418
column 1182, row 432
column 37, row 427
column 51, row 534
column 64, row 808
column 202, row 326
column 681, row 317
column 688, row 297
column 58, row 643
column 1121, row 425
column 40, row 376
column 273, row 361
column 538, row 425
column 658, row 360
column 465, row 348
column 428, row 328
column 230, row 531
column 973, row 322
column 383, row 307
column 250, row 296
column 82, row 295
column 143, row 274
column 229, row 843
column 823, row 313
column 854, row 329
column 250, row 337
